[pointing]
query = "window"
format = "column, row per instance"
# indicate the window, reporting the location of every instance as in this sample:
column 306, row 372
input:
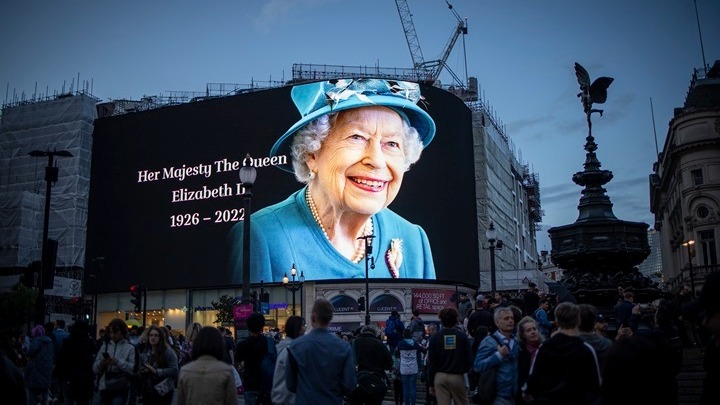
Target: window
column 697, row 177
column 707, row 243
column 702, row 212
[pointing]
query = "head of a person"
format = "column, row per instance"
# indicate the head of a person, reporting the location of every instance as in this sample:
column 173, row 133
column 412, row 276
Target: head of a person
column 416, row 312
column 567, row 315
column 60, row 323
column 588, row 318
column 528, row 330
column 395, row 313
column 37, row 331
column 544, row 303
column 709, row 302
column 157, row 338
column 407, row 333
column 209, row 341
column 134, row 330
column 629, row 296
column 118, row 330
column 192, row 331
column 532, row 286
column 80, row 329
column 49, row 328
column 371, row 329
column 356, row 139
column 504, row 320
column 431, row 329
column 255, row 323
column 295, row 327
column 448, row 317
column 322, row 313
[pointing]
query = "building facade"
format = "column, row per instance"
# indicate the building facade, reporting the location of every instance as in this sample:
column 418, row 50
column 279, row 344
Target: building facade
column 685, row 185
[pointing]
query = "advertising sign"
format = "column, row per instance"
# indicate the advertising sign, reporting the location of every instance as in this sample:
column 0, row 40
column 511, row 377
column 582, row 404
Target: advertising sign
column 431, row 301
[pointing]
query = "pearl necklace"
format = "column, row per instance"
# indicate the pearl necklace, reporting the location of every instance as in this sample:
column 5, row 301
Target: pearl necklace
column 359, row 244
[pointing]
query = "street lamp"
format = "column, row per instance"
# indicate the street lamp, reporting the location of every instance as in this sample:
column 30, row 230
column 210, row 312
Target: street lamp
column 293, row 286
column 369, row 263
column 248, row 174
column 691, row 252
column 51, row 176
column 491, row 235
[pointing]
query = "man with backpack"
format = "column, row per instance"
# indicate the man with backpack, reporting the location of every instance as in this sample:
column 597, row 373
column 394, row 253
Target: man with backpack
column 417, row 327
column 393, row 330
column 258, row 355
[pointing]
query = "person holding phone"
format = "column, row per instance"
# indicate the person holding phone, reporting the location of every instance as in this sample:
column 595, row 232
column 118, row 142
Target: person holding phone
column 158, row 362
column 114, row 364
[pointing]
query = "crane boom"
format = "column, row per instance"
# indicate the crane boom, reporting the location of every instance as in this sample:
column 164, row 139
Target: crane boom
column 410, row 34
column 429, row 71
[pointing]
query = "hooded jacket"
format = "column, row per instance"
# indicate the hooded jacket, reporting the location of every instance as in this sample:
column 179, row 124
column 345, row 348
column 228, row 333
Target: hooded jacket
column 565, row 371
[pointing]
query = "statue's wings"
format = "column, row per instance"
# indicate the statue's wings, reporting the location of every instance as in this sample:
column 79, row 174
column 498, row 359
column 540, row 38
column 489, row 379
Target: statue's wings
column 583, row 76
column 598, row 90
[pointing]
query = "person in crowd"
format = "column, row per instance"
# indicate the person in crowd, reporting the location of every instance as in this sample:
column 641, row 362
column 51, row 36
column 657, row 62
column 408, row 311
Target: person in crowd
column 294, row 328
column 157, row 363
column 481, row 316
column 101, row 338
column 393, row 330
column 371, row 360
column 230, row 345
column 586, row 332
column 710, row 305
column 114, row 364
column 352, row 147
column 623, row 310
column 409, row 352
column 38, row 371
column 207, row 379
column 12, row 384
column 431, row 331
column 417, row 326
column 250, row 353
column 545, row 326
column 320, row 369
column 448, row 361
column 500, row 351
column 531, row 299
column 463, row 305
column 186, row 345
column 59, row 335
column 565, row 370
column 74, row 365
column 529, row 339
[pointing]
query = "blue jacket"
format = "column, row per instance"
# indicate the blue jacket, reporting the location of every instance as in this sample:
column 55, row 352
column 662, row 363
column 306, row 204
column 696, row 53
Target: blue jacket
column 40, row 365
column 286, row 233
column 488, row 357
column 543, row 322
column 320, row 368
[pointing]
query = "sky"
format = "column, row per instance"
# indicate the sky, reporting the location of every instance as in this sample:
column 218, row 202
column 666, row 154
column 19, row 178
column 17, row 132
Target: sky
column 521, row 51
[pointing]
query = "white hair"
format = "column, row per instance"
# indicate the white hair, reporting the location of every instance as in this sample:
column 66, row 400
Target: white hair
column 309, row 139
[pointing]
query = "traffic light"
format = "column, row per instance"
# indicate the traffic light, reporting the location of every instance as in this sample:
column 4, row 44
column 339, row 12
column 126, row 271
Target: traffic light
column 361, row 304
column 136, row 294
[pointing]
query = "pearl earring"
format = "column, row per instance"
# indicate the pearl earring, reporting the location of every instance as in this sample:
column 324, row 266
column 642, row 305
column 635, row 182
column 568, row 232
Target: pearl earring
column 312, row 175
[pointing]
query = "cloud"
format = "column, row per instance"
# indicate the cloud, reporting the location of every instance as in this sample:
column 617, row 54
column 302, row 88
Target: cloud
column 274, row 12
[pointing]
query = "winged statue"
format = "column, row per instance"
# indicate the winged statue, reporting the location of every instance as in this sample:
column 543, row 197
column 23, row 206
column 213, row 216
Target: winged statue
column 595, row 93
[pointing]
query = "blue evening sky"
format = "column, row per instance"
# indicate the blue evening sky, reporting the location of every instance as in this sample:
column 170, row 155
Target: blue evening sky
column 521, row 51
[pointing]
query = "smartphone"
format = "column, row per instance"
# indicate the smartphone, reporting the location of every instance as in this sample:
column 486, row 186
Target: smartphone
column 106, row 355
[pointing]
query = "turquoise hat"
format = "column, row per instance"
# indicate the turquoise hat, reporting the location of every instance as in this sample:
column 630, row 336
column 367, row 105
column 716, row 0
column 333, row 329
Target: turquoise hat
column 314, row 100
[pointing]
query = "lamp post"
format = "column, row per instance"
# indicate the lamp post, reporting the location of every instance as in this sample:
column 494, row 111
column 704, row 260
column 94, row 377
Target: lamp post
column 51, row 176
column 369, row 263
column 293, row 286
column 689, row 245
column 491, row 235
column 247, row 174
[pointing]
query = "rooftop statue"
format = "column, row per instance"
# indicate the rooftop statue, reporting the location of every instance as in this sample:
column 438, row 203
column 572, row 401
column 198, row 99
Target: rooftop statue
column 591, row 93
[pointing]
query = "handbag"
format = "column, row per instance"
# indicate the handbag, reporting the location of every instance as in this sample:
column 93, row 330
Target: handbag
column 164, row 387
column 116, row 380
column 486, row 385
column 370, row 385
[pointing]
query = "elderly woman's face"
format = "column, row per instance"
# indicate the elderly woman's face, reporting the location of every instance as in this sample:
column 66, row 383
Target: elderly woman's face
column 360, row 165
column 530, row 332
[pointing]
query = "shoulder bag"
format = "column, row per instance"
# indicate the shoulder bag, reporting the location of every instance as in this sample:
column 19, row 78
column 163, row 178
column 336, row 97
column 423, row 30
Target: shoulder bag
column 487, row 384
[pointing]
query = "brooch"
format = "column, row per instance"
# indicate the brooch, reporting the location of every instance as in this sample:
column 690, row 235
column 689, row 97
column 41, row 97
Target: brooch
column 394, row 257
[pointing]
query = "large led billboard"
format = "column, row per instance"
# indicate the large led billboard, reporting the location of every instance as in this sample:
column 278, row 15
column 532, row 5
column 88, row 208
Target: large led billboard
column 167, row 208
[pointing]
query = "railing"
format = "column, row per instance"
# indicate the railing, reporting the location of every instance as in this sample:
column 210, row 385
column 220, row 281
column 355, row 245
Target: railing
column 698, row 277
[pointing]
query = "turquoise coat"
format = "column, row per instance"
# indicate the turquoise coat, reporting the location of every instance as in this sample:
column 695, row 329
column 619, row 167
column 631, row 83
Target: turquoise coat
column 286, row 233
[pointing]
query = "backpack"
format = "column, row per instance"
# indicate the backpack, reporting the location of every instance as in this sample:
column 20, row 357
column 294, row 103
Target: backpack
column 267, row 366
column 393, row 329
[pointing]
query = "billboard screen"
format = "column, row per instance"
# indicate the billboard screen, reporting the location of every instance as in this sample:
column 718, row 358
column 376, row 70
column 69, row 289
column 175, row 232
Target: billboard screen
column 167, row 207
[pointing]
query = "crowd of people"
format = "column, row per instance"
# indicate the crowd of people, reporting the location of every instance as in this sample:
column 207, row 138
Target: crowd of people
column 495, row 350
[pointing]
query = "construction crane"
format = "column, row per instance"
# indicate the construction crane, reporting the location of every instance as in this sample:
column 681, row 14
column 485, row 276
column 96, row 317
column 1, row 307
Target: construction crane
column 429, row 71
